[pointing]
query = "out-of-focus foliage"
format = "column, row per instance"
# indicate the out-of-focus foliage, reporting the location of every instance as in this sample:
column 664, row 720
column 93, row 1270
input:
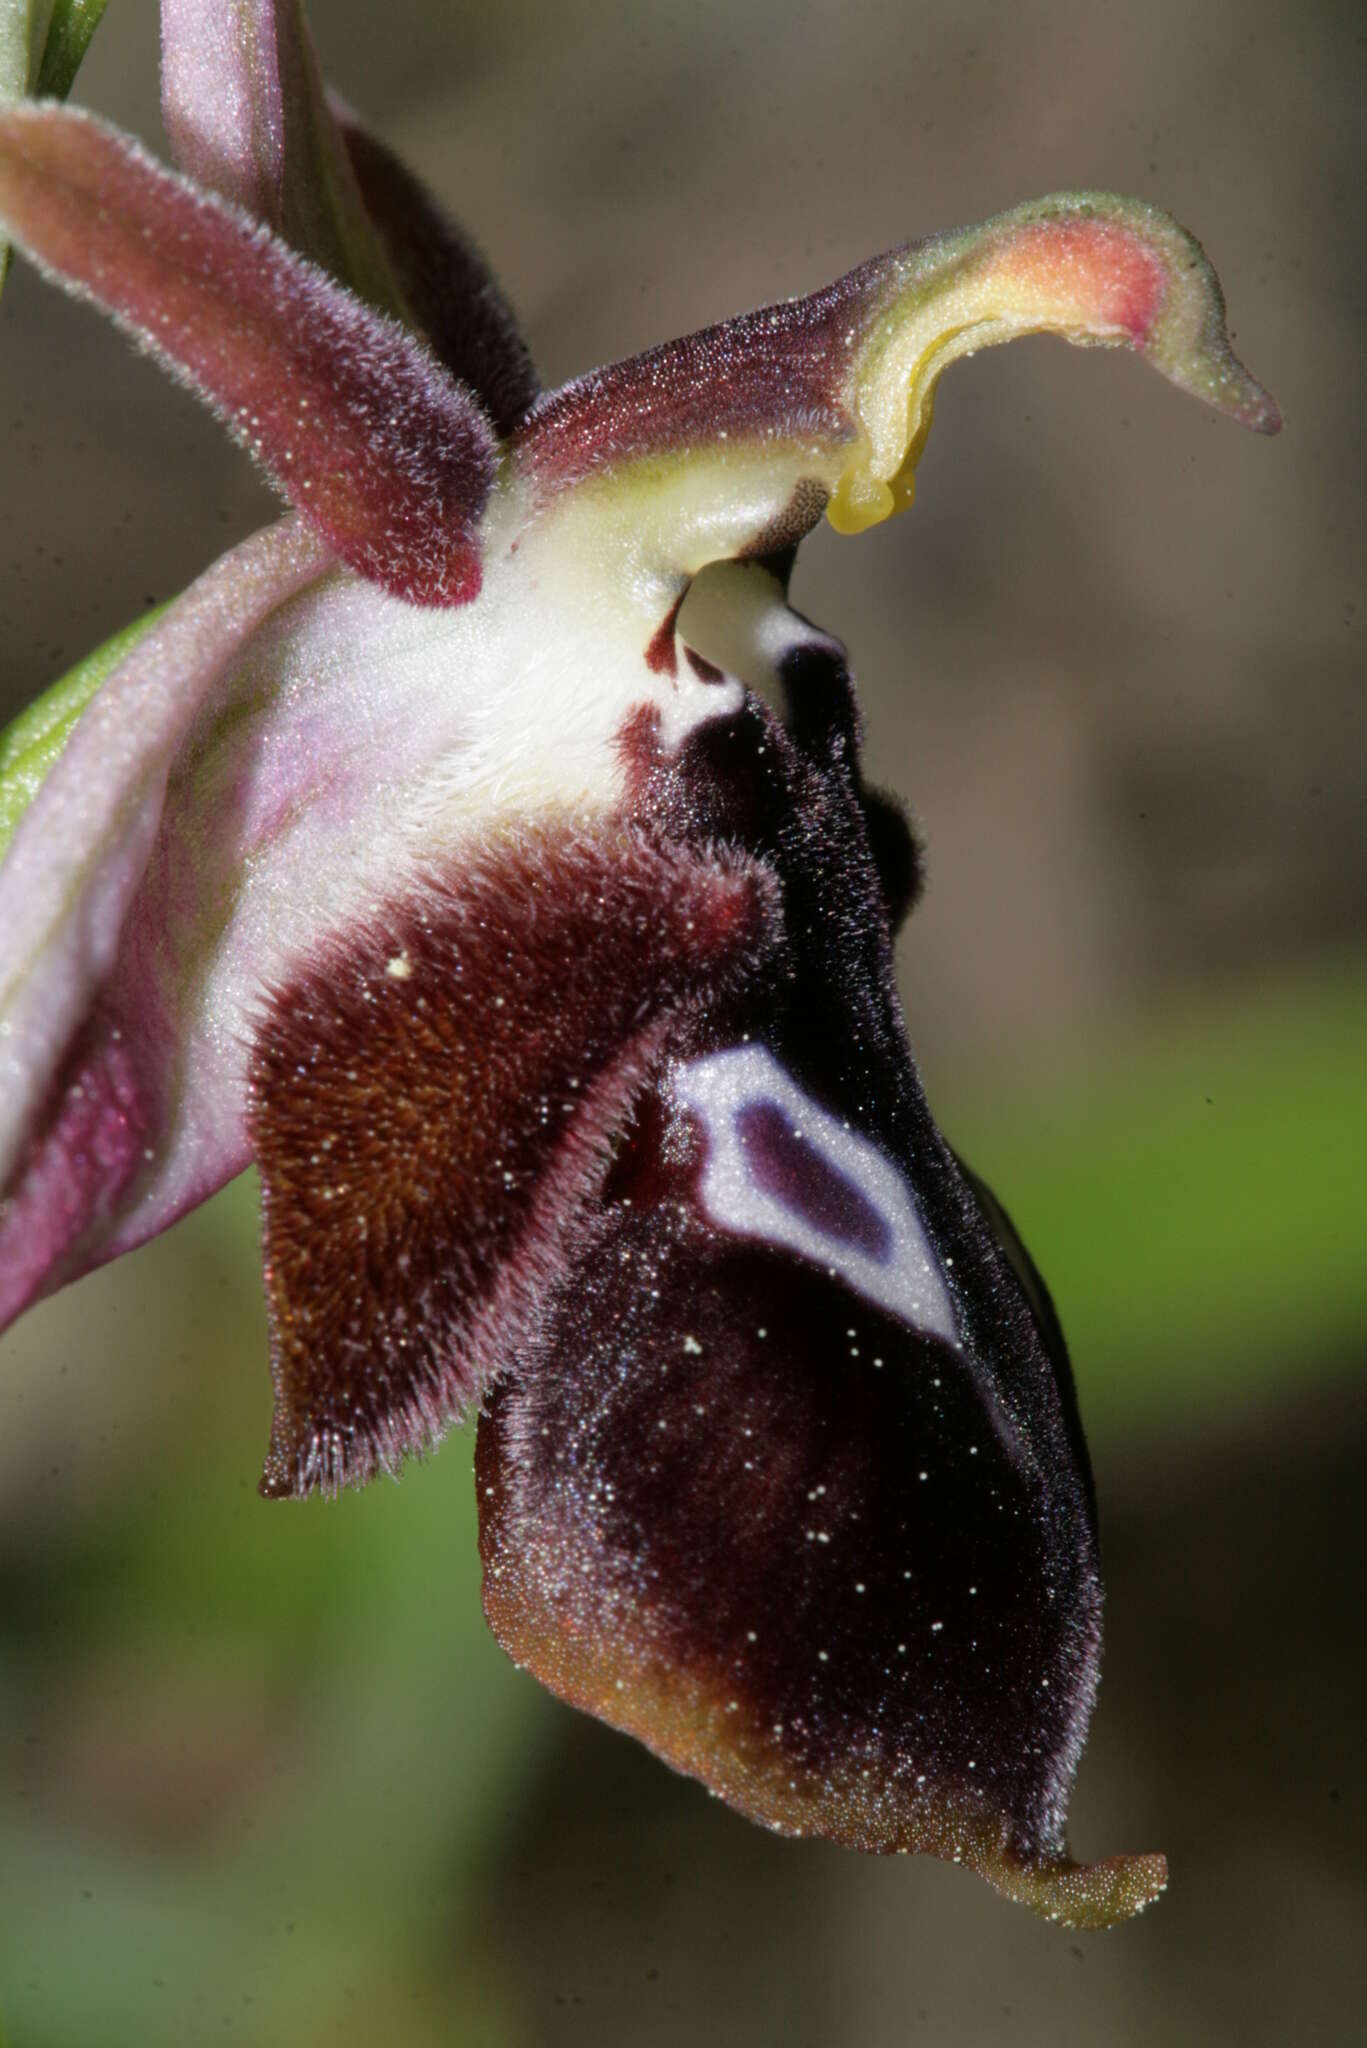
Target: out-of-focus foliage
column 1196, row 1202
column 257, row 1757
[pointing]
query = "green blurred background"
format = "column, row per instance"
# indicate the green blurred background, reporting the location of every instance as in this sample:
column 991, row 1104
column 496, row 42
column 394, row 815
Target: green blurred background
column 263, row 1776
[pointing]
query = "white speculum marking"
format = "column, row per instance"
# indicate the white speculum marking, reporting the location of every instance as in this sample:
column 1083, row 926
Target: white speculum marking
column 782, row 1169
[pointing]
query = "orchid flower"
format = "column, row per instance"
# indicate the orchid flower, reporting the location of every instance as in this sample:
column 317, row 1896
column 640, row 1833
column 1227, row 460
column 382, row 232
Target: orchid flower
column 438, row 852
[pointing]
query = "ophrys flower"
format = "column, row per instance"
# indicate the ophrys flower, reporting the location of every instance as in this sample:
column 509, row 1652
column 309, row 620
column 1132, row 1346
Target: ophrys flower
column 438, row 852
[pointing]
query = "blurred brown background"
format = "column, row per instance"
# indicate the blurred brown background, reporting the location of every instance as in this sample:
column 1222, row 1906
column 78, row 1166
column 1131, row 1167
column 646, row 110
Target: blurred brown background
column 262, row 1775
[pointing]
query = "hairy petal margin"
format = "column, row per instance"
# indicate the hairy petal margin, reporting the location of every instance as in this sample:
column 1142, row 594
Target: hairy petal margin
column 350, row 416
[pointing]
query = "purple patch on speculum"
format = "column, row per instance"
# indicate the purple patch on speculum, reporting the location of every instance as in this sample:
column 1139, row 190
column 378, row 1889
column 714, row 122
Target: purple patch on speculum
column 789, row 1167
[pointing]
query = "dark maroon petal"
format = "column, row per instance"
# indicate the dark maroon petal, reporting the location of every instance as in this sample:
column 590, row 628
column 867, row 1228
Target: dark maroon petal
column 449, row 288
column 434, row 1104
column 249, row 117
column 350, row 416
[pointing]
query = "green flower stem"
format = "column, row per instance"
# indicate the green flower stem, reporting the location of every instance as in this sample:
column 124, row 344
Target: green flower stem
column 72, row 25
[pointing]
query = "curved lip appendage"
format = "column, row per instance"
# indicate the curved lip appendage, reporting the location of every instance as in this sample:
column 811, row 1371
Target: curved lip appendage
column 731, row 441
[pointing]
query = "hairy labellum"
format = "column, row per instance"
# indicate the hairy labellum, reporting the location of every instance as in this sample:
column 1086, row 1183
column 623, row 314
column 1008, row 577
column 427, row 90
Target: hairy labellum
column 438, row 852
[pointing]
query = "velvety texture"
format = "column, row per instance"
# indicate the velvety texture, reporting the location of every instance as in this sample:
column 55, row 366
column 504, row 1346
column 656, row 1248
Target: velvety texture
column 434, row 1102
column 842, row 1568
column 349, row 415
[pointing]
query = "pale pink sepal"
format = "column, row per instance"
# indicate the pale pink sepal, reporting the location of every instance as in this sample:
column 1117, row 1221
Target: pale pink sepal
column 220, row 99
column 85, row 1044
